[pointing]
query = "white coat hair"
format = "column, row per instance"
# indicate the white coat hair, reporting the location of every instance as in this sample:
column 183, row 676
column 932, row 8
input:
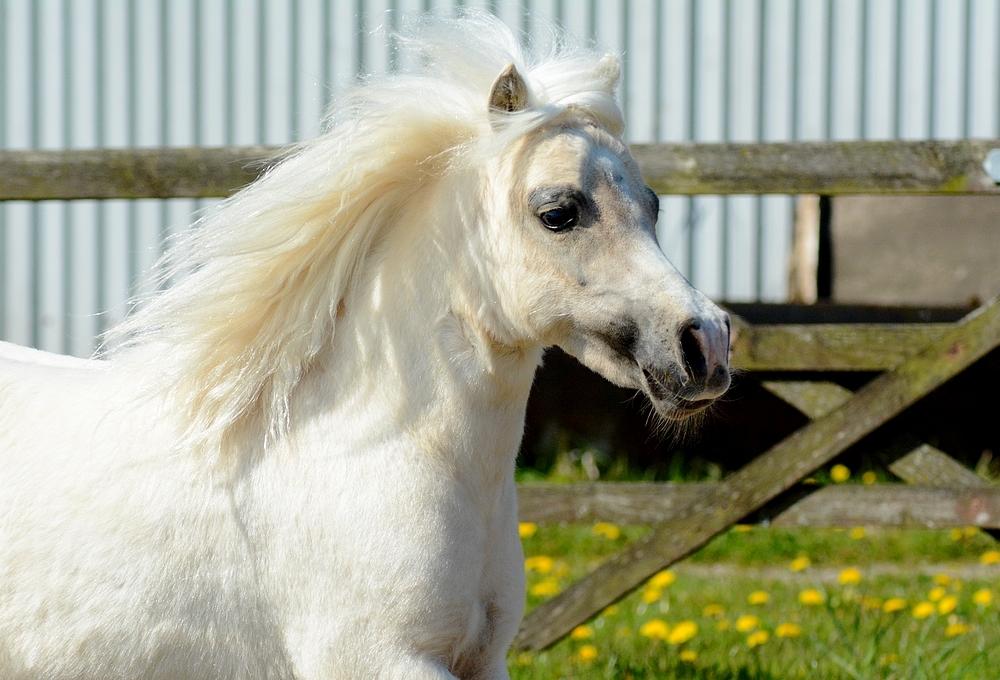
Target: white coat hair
column 296, row 461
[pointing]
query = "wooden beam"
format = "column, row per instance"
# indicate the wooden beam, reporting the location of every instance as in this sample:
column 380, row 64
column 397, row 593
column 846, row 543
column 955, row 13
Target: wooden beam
column 849, row 505
column 830, row 347
column 927, row 464
column 922, row 464
column 766, row 477
column 816, row 167
column 193, row 172
column 828, row 168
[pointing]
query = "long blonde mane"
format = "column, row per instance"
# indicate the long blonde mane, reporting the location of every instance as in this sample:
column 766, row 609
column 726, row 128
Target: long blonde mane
column 258, row 282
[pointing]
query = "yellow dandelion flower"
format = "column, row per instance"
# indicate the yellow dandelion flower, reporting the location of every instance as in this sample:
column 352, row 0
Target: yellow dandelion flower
column 747, row 623
column 983, row 597
column 849, row 576
column 800, row 563
column 524, row 659
column 540, row 564
column 893, row 604
column 811, row 597
column 936, row 594
column 608, row 530
column 788, row 630
column 662, row 579
column 757, row 638
column 742, row 528
column 947, row 604
column 688, row 656
column 758, row 597
column 526, row 529
column 869, row 478
column 610, row 610
column 969, row 532
column 990, row 557
column 722, row 625
column 582, row 633
column 922, row 610
column 587, row 653
column 682, row 632
column 955, row 534
column 713, row 610
column 840, row 473
column 942, row 579
column 856, row 533
column 545, row 588
column 956, row 629
column 656, row 629
column 651, row 595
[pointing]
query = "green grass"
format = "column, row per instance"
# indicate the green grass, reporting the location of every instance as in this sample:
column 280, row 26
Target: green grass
column 847, row 636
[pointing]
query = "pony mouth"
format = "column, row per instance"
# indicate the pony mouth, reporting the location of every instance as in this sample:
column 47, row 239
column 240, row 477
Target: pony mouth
column 684, row 409
column 668, row 403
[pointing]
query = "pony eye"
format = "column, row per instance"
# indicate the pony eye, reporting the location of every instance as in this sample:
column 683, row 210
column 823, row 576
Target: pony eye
column 561, row 218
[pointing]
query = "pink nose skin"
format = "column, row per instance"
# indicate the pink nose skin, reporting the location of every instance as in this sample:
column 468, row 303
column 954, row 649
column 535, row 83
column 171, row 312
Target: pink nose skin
column 705, row 350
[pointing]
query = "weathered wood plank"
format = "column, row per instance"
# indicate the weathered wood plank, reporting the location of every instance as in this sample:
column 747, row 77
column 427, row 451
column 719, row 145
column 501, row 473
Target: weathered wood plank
column 899, row 505
column 831, row 168
column 830, row 347
column 813, row 398
column 780, row 313
column 849, row 505
column 193, row 172
column 927, row 464
column 821, row 167
column 922, row 464
column 769, row 475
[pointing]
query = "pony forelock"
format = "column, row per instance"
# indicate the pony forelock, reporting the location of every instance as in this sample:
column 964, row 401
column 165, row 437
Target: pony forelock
column 255, row 285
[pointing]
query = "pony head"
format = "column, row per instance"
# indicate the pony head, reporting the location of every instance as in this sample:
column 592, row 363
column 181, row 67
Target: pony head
column 582, row 268
column 519, row 158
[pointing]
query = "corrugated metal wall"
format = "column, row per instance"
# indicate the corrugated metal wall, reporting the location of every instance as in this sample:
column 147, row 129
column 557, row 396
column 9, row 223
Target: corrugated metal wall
column 94, row 73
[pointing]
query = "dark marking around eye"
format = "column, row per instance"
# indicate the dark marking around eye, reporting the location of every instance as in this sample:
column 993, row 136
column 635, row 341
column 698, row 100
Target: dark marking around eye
column 550, row 197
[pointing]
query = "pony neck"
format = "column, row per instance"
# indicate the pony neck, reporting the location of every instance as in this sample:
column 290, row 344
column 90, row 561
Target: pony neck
column 412, row 355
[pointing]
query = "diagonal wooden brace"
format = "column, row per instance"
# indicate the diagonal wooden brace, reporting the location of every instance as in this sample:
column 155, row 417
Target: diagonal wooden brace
column 922, row 464
column 767, row 476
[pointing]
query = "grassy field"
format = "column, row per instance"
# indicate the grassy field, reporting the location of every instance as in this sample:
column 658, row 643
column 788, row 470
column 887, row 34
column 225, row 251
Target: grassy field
column 767, row 603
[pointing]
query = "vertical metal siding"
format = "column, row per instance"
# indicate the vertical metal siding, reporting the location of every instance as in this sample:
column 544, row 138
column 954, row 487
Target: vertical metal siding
column 93, row 73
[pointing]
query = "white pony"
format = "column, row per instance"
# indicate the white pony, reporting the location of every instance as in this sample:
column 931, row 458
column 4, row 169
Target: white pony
column 299, row 461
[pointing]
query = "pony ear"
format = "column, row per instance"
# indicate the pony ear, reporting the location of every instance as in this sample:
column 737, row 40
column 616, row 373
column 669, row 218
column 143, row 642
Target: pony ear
column 509, row 92
column 609, row 69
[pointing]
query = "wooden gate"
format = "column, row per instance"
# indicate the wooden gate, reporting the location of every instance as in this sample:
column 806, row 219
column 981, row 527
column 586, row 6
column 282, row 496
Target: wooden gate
column 913, row 359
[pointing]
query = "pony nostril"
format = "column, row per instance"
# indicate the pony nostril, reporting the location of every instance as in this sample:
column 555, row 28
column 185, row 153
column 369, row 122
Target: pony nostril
column 720, row 374
column 693, row 352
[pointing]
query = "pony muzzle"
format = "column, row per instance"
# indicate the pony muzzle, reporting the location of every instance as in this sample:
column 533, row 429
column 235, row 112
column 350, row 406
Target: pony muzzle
column 697, row 372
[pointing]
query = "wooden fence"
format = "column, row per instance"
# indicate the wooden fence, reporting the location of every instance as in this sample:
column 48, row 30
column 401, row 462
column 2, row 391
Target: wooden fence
column 912, row 359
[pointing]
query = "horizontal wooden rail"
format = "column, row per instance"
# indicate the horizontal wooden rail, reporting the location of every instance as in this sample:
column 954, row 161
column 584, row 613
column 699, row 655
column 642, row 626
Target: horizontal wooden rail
column 785, row 168
column 897, row 505
column 831, row 168
column 830, row 347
